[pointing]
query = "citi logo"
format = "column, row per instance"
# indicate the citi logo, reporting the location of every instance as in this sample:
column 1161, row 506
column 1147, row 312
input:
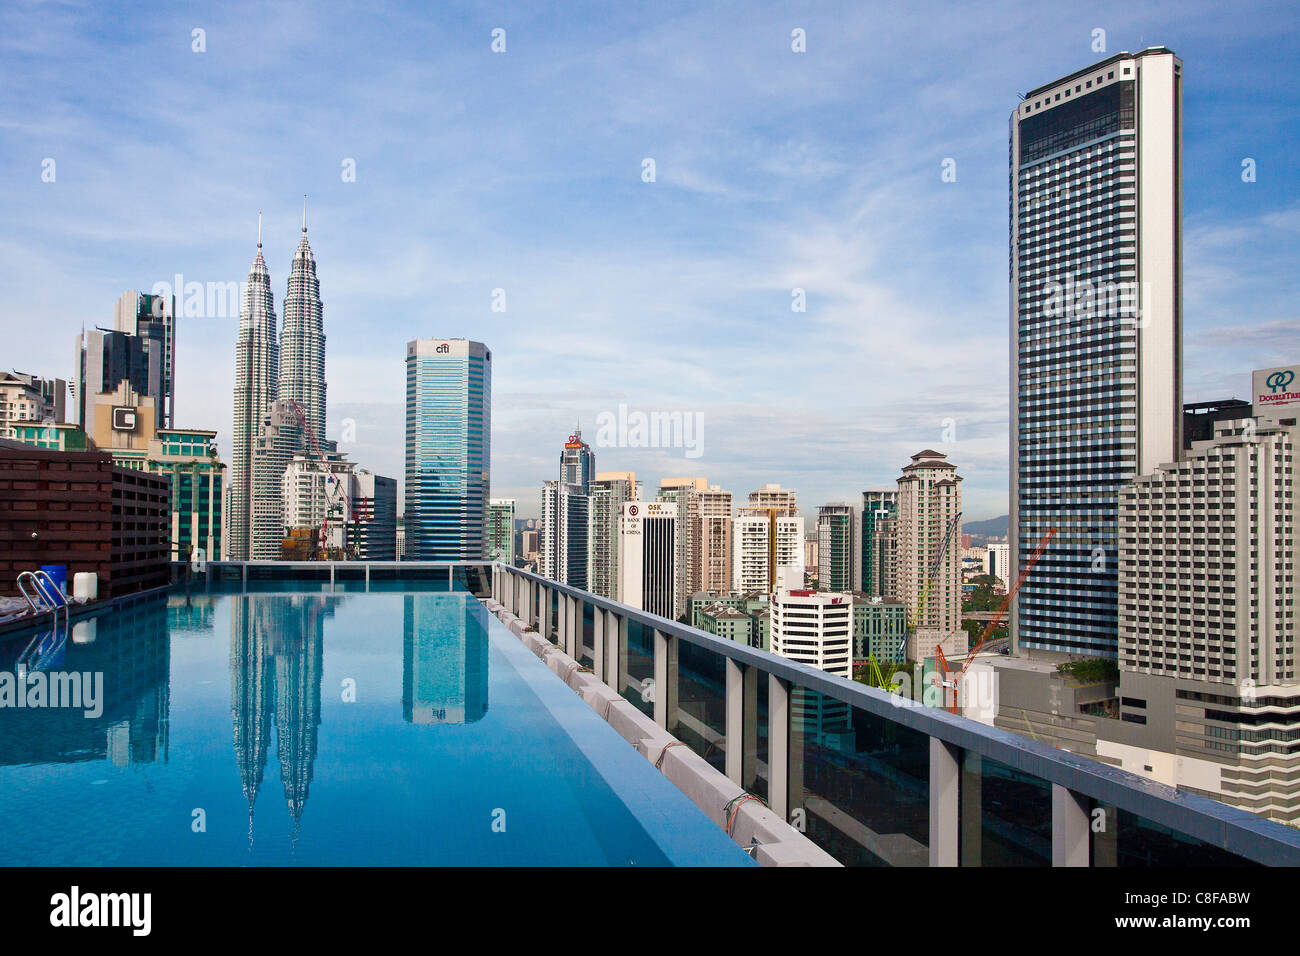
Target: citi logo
column 443, row 349
column 1278, row 381
column 75, row 909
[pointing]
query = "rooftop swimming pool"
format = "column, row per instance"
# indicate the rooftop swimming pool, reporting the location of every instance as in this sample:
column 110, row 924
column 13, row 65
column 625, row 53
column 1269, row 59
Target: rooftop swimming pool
column 303, row 726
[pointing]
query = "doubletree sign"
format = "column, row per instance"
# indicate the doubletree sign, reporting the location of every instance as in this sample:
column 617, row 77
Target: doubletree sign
column 123, row 419
column 1277, row 386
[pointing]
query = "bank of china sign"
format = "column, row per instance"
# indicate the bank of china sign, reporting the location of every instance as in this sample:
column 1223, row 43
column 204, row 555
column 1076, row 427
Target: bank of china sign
column 1274, row 387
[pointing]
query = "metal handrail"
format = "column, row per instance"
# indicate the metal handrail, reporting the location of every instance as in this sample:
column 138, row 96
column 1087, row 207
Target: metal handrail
column 1233, row 829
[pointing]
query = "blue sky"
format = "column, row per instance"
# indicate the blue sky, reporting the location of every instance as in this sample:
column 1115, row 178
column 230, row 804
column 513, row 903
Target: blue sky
column 522, row 171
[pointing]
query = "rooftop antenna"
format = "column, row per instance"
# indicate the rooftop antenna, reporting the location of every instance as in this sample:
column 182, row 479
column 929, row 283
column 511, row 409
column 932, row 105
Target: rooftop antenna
column 304, row 214
column 259, row 230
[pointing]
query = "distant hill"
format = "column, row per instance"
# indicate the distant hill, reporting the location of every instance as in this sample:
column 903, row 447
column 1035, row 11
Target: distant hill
column 996, row 527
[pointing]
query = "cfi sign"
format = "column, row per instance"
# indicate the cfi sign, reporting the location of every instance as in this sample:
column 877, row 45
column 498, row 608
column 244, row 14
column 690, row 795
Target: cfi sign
column 1274, row 387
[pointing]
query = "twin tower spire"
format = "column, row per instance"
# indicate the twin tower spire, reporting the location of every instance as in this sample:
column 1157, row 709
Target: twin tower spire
column 271, row 365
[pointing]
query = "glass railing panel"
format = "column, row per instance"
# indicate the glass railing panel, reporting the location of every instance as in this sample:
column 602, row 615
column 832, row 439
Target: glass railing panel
column 1121, row 838
column 1004, row 814
column 859, row 783
column 639, row 688
column 701, row 718
column 587, row 630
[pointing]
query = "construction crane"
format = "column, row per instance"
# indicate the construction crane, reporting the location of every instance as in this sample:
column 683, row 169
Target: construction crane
column 948, row 679
column 334, row 496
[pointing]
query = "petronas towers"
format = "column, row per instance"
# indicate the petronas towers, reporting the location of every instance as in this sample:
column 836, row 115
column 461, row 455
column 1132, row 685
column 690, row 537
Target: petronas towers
column 270, row 373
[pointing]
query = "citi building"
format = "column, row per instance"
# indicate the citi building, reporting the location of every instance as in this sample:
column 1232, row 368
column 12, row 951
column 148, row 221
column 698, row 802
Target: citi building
column 448, row 449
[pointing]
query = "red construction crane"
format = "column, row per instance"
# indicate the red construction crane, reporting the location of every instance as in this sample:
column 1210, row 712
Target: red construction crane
column 955, row 683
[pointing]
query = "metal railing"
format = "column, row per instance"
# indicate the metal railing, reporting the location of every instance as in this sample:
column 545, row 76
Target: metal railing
column 990, row 795
column 869, row 776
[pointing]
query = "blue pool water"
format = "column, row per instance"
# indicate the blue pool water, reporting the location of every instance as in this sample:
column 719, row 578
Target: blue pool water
column 321, row 728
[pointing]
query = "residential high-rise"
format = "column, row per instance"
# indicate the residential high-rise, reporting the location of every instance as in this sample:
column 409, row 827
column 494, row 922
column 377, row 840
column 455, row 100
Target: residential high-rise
column 999, row 561
column 312, row 489
column 878, row 504
column 647, row 576
column 302, row 339
column 257, row 385
column 773, row 496
column 1096, row 312
column 926, row 553
column 448, row 449
column 755, row 551
column 27, row 398
column 501, row 530
column 713, row 541
column 610, row 490
column 684, row 493
column 839, row 548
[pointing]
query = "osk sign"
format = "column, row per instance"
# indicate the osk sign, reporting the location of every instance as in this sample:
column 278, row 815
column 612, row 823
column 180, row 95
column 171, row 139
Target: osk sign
column 1274, row 387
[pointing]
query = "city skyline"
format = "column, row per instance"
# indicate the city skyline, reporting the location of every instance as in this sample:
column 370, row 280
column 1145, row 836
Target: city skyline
column 893, row 260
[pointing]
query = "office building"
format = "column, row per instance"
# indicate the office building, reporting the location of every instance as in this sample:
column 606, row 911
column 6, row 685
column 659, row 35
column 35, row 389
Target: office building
column 448, row 449
column 566, row 515
column 29, row 399
column 879, row 628
column 712, row 539
column 647, row 556
column 839, row 548
column 257, row 386
column 1096, row 310
column 302, row 340
column 814, row 628
column 501, row 530
column 152, row 320
column 372, row 533
column 998, row 562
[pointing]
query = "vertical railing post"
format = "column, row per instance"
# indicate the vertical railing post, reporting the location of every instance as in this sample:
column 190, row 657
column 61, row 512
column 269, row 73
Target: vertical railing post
column 597, row 641
column 945, row 764
column 665, row 680
column 742, row 723
column 1070, row 830
column 615, row 651
column 367, row 575
column 778, row 746
column 546, row 623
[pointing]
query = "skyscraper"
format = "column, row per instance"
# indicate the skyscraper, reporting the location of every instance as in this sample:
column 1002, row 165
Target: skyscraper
column 685, row 492
column 501, row 530
column 302, row 340
column 448, row 449
column 257, row 385
column 566, row 514
column 926, row 552
column 647, row 552
column 609, row 492
column 1096, row 314
column 839, row 548
column 878, row 504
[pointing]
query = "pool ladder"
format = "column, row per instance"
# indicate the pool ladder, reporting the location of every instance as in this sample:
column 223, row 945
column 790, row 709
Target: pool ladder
column 44, row 595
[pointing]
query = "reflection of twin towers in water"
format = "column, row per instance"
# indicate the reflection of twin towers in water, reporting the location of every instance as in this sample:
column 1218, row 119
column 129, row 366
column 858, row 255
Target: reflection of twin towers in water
column 276, row 650
column 276, row 657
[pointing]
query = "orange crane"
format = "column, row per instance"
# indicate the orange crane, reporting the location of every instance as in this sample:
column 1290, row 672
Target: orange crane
column 948, row 680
